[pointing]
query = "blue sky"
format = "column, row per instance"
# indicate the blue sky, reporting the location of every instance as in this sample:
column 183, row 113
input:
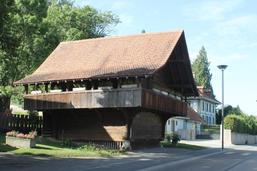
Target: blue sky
column 227, row 29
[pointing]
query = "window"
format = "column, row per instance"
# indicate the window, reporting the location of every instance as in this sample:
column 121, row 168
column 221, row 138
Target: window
column 176, row 122
column 203, row 106
column 207, row 107
column 168, row 122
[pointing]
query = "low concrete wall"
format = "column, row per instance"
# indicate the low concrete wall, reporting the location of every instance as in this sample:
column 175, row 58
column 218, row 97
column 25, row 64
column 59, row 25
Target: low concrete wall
column 238, row 138
column 20, row 142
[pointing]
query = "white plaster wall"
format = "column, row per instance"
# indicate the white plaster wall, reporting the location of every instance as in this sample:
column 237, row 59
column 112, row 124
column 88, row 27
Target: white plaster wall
column 169, row 126
column 185, row 128
column 238, row 138
column 178, row 124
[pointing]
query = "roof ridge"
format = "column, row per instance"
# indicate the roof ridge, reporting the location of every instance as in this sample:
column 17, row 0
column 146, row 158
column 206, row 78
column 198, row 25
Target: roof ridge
column 122, row 36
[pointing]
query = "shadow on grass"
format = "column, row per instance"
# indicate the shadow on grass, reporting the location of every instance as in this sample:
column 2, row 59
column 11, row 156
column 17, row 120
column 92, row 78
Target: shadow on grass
column 3, row 146
column 33, row 154
column 6, row 148
column 42, row 148
column 50, row 142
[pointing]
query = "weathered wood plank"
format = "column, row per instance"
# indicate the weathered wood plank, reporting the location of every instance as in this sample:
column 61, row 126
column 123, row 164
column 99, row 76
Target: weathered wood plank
column 84, row 99
column 111, row 98
column 163, row 103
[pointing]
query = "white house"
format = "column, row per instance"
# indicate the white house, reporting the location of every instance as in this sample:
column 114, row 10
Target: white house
column 187, row 127
column 204, row 111
column 205, row 105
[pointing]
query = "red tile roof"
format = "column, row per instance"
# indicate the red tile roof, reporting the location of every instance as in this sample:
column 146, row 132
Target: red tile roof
column 135, row 55
column 204, row 92
column 193, row 115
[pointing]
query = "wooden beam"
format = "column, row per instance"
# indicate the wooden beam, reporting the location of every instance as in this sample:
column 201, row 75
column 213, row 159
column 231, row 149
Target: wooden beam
column 88, row 85
column 95, row 85
column 46, row 87
column 26, row 87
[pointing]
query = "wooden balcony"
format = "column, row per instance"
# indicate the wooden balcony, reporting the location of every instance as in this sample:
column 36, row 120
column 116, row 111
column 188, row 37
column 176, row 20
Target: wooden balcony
column 110, row 98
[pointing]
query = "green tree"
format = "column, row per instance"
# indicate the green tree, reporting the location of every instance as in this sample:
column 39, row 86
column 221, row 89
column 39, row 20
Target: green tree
column 228, row 110
column 30, row 30
column 201, row 70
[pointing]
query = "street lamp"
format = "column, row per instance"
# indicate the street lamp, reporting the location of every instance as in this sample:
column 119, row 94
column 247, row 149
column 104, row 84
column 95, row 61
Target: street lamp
column 222, row 67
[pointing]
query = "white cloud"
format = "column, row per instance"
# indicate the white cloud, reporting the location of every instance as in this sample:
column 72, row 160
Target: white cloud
column 237, row 25
column 210, row 10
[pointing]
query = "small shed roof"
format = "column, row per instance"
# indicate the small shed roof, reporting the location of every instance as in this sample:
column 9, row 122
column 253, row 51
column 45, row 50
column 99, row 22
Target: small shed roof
column 135, row 55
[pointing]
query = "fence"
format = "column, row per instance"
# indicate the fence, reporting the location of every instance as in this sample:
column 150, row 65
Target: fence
column 21, row 123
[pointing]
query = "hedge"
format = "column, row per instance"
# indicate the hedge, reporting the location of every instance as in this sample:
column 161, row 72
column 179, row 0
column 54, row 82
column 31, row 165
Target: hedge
column 241, row 124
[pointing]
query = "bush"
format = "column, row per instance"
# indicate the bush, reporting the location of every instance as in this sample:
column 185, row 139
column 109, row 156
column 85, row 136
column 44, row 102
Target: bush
column 67, row 143
column 168, row 137
column 175, row 138
column 241, row 124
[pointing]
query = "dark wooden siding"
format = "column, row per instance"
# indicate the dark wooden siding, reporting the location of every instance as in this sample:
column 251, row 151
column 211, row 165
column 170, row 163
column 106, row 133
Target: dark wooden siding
column 163, row 103
column 120, row 98
column 86, row 124
column 84, row 99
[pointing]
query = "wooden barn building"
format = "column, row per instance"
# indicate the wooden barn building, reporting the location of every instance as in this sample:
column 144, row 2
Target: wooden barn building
column 112, row 89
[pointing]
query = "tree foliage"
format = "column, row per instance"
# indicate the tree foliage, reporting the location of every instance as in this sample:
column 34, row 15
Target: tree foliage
column 241, row 124
column 228, row 110
column 201, row 70
column 30, row 30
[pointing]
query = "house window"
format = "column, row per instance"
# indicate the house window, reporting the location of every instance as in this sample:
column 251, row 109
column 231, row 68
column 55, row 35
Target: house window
column 203, row 106
column 176, row 123
column 168, row 122
column 207, row 107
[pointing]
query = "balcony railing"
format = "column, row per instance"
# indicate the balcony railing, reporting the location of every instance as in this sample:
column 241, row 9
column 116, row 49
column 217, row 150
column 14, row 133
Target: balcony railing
column 109, row 98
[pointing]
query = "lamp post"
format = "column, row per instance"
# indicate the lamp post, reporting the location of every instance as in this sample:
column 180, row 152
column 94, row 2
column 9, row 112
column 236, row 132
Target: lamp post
column 222, row 68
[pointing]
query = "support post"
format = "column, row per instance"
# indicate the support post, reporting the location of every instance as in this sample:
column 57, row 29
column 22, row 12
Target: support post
column 26, row 87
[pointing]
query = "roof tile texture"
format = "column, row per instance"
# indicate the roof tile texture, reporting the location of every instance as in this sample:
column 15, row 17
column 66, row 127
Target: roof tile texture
column 106, row 57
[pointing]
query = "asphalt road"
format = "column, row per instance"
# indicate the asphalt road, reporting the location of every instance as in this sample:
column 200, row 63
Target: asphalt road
column 241, row 159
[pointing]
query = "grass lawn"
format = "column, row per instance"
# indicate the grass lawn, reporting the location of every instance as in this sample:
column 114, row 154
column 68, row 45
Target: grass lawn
column 166, row 144
column 46, row 147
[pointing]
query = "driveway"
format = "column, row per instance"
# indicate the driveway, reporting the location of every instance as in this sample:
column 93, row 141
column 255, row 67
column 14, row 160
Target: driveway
column 217, row 144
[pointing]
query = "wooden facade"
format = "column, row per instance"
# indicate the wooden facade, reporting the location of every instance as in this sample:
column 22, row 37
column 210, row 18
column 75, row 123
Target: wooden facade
column 113, row 95
column 111, row 98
